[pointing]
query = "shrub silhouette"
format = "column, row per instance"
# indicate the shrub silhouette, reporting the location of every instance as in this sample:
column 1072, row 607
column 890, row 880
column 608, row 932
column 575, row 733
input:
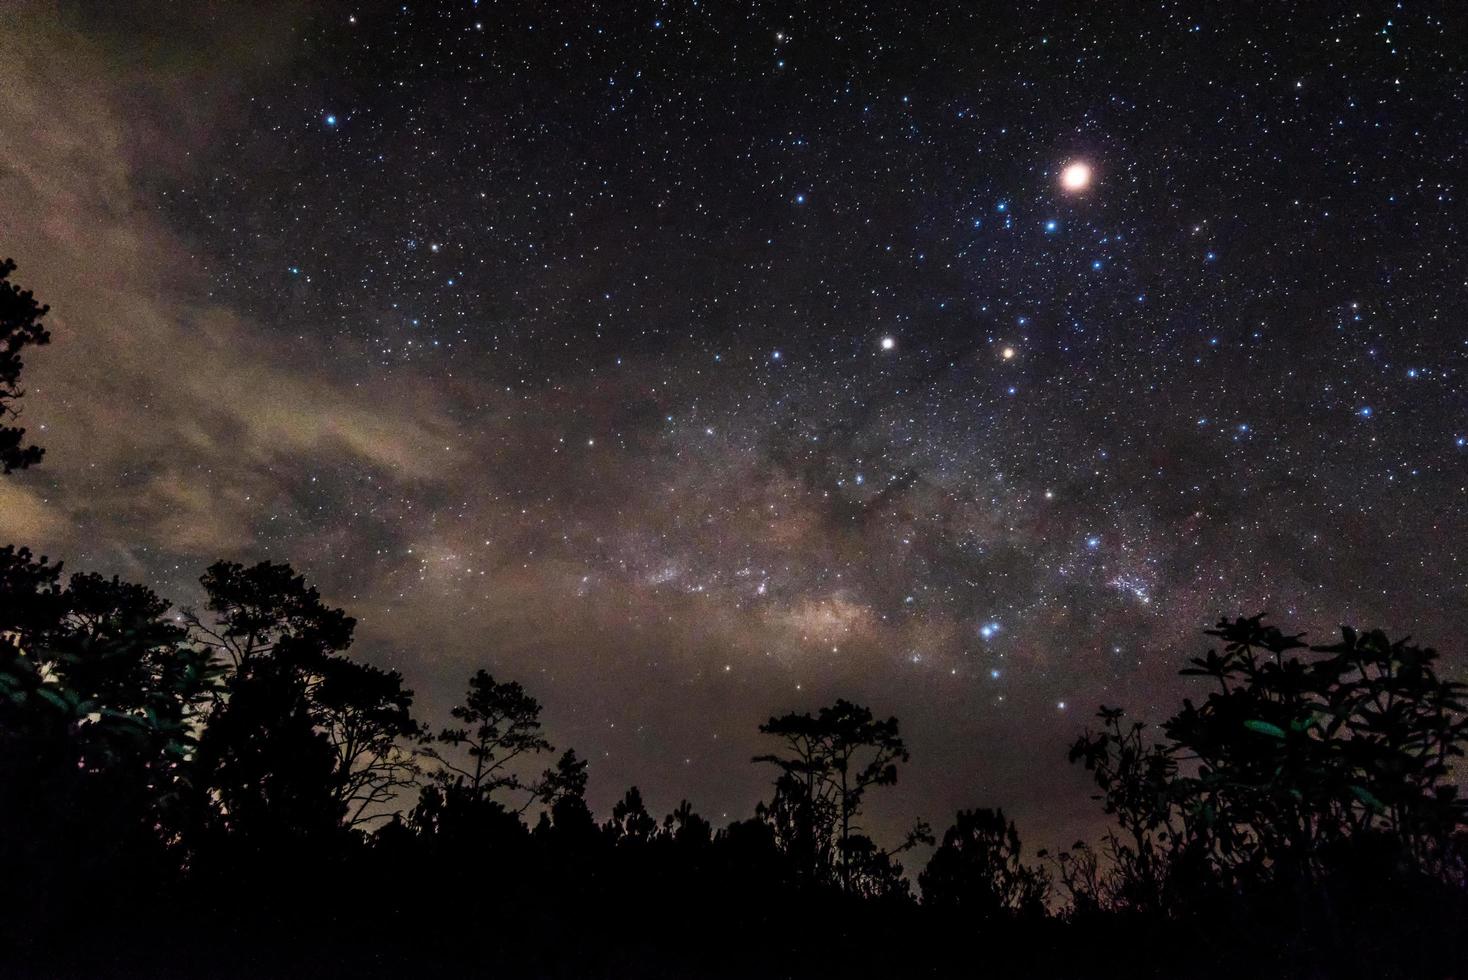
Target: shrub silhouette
column 977, row 870
column 1287, row 762
column 1311, row 790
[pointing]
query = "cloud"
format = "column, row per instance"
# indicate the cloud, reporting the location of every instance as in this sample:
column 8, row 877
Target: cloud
column 24, row 515
column 170, row 421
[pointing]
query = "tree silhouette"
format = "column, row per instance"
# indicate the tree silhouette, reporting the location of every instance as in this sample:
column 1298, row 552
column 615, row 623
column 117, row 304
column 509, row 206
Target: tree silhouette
column 565, row 781
column 830, row 761
column 99, row 707
column 30, row 594
column 1135, row 778
column 267, row 768
column 802, row 818
column 1082, row 878
column 301, row 740
column 221, row 773
column 366, row 714
column 501, row 724
column 99, row 667
column 977, row 870
column 685, row 827
column 20, row 327
column 631, row 824
column 562, row 789
column 264, row 609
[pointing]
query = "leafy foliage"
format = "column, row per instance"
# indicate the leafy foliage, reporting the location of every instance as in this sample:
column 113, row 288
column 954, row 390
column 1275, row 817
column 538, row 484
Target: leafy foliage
column 1284, row 768
column 99, row 696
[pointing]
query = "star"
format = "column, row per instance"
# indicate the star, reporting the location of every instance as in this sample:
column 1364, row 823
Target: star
column 1076, row 177
column 888, row 343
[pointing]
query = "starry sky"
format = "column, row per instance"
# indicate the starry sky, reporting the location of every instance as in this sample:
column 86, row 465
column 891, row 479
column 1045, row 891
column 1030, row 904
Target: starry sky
column 692, row 362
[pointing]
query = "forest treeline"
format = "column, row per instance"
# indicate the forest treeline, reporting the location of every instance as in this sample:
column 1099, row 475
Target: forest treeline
column 225, row 790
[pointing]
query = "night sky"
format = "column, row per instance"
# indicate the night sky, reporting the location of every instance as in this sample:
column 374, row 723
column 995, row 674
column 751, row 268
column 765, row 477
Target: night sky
column 694, row 362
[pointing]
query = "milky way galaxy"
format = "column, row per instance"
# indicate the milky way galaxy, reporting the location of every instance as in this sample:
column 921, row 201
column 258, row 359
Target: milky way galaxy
column 694, row 362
